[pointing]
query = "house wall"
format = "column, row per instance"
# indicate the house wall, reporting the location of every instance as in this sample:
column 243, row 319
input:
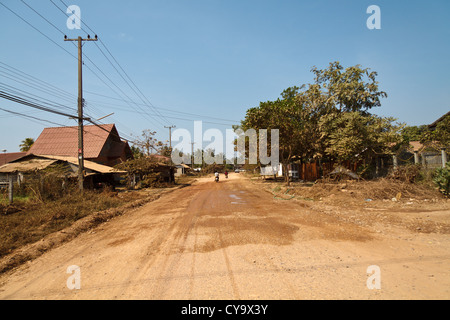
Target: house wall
column 306, row 171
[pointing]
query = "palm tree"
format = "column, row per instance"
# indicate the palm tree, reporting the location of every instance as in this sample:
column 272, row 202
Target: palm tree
column 26, row 144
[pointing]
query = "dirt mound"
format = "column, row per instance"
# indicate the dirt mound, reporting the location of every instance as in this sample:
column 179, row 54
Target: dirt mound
column 382, row 189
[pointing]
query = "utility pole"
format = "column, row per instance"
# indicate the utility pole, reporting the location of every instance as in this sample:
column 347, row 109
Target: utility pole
column 11, row 188
column 170, row 148
column 170, row 135
column 192, row 155
column 80, row 108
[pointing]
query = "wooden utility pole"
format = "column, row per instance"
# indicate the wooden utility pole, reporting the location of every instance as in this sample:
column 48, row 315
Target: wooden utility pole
column 192, row 155
column 170, row 148
column 80, row 109
column 170, row 136
column 10, row 188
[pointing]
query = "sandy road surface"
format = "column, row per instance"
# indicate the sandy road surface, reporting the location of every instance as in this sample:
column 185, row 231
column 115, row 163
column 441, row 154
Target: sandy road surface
column 230, row 240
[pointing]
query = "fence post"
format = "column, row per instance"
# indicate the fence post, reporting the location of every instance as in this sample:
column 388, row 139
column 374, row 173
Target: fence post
column 11, row 188
column 416, row 157
column 444, row 157
column 394, row 157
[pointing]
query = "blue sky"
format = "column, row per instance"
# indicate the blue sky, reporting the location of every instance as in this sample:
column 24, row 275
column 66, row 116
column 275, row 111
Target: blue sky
column 215, row 59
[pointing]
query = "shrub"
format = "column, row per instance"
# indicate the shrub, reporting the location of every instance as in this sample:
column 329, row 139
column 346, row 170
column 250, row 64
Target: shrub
column 406, row 173
column 442, row 179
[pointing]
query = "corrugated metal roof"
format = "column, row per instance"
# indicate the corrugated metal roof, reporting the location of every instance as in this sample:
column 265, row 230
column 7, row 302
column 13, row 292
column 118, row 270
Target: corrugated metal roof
column 40, row 162
column 27, row 165
column 87, row 164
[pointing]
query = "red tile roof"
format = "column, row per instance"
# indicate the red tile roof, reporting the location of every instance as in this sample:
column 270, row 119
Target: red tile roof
column 158, row 157
column 8, row 157
column 416, row 145
column 63, row 141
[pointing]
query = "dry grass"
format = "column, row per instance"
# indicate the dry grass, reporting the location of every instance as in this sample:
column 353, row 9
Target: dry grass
column 382, row 189
column 27, row 221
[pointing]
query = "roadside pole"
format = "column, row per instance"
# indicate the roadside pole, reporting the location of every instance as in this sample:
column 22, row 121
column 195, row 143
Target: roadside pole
column 80, row 109
column 170, row 148
column 11, row 188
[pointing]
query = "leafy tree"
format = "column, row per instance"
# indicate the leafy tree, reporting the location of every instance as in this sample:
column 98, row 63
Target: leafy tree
column 353, row 135
column 328, row 118
column 285, row 115
column 442, row 132
column 136, row 151
column 352, row 89
column 441, row 135
column 164, row 150
column 147, row 143
column 26, row 144
column 413, row 133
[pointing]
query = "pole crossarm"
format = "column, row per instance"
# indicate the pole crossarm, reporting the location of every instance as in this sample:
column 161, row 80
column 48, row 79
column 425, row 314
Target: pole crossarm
column 88, row 39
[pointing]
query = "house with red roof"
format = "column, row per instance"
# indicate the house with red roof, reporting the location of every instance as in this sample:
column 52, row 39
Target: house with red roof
column 102, row 144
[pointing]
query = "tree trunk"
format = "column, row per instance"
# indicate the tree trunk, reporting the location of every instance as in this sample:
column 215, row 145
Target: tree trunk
column 286, row 172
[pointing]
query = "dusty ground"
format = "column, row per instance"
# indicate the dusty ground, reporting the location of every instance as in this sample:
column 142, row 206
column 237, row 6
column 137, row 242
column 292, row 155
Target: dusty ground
column 235, row 240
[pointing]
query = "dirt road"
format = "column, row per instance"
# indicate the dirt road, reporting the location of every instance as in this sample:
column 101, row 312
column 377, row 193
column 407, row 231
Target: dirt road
column 232, row 240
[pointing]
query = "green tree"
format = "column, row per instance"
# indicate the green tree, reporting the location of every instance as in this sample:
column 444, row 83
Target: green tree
column 413, row 133
column 441, row 135
column 285, row 114
column 136, row 151
column 328, row 118
column 350, row 89
column 26, row 144
column 353, row 135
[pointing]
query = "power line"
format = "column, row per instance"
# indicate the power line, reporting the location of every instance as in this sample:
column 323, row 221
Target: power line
column 75, row 128
column 26, row 83
column 63, row 48
column 143, row 112
column 141, row 96
column 36, row 81
column 25, row 102
column 32, row 97
column 67, row 50
column 54, row 90
column 166, row 109
column 30, row 117
column 177, row 118
column 50, row 39
column 42, row 17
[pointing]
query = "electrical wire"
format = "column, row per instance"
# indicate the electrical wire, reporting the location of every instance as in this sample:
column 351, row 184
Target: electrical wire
column 25, row 102
column 166, row 109
column 30, row 117
column 141, row 96
column 117, row 87
column 59, row 45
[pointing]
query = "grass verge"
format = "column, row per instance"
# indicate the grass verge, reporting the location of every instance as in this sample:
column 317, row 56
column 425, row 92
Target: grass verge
column 30, row 228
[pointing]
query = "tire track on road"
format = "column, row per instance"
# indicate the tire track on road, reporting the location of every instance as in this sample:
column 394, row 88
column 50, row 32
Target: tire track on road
column 229, row 268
